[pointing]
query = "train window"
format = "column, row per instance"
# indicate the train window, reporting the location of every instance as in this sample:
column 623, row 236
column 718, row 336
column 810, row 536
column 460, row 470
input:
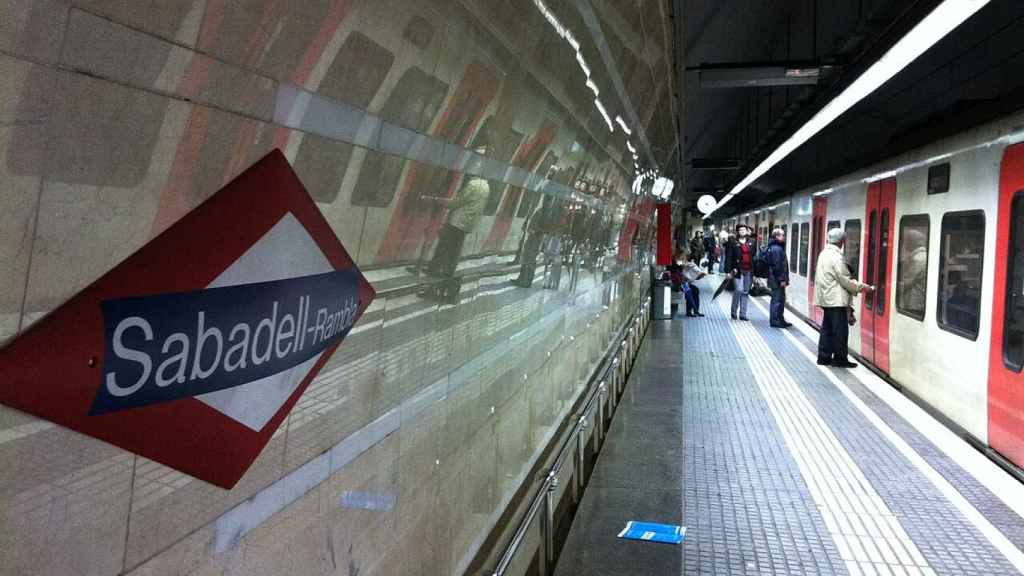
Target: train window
column 912, row 276
column 413, row 103
column 961, row 257
column 794, row 243
column 853, row 247
column 834, row 224
column 1013, row 324
column 938, row 178
column 872, row 227
column 883, row 261
column 805, row 235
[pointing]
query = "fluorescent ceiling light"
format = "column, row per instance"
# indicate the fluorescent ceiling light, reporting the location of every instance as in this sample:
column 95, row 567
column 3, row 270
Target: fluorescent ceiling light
column 932, row 28
column 604, row 114
column 663, row 187
column 622, row 124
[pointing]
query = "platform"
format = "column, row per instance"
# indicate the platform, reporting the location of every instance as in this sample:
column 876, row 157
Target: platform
column 778, row 466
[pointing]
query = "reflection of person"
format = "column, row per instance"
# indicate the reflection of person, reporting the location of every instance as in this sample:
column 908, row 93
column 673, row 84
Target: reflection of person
column 833, row 288
column 464, row 212
column 916, row 276
column 534, row 230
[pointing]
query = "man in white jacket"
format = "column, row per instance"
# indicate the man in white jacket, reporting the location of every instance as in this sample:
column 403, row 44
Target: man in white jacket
column 464, row 212
column 833, row 288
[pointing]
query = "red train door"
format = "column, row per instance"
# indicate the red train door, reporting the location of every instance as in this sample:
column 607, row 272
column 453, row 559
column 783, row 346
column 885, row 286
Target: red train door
column 816, row 245
column 1005, row 379
column 874, row 321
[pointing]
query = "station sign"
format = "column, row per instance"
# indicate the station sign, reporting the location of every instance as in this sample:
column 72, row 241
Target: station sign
column 194, row 349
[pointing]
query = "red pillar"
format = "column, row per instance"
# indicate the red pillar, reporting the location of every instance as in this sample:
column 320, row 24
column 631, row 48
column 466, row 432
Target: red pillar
column 664, row 234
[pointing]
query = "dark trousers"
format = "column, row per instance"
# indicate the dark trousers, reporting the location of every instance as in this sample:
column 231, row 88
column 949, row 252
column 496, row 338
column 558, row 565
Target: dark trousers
column 447, row 251
column 778, row 303
column 693, row 300
column 528, row 258
column 835, row 329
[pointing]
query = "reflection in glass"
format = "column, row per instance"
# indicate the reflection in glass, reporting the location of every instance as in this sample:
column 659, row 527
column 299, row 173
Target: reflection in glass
column 412, row 104
column 961, row 258
column 853, row 246
column 912, row 278
column 1013, row 329
column 794, row 246
column 805, row 235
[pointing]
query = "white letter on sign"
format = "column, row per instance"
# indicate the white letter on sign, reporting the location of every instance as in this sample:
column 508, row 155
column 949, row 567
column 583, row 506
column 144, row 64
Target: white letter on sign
column 202, row 334
column 128, row 354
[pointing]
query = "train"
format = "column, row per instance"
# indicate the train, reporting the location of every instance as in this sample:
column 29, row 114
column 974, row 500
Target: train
column 939, row 230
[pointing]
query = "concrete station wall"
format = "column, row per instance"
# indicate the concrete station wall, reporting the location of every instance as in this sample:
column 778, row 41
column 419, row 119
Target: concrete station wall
column 119, row 117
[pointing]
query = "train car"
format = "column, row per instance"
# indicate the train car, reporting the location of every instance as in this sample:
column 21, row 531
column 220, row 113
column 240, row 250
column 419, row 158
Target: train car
column 940, row 232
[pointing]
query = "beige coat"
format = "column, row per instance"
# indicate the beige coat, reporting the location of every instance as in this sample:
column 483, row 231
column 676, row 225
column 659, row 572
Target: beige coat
column 832, row 283
column 465, row 211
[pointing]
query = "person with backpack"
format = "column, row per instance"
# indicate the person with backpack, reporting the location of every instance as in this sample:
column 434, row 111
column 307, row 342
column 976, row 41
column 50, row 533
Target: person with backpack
column 778, row 277
column 741, row 263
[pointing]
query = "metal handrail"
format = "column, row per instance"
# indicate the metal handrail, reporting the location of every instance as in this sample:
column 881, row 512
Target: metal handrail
column 612, row 360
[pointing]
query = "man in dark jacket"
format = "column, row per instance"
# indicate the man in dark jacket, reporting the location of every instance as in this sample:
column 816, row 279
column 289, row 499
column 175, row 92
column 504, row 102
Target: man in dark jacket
column 710, row 247
column 697, row 246
column 778, row 277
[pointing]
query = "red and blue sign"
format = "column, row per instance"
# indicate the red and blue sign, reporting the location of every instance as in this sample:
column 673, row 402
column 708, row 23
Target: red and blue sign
column 193, row 350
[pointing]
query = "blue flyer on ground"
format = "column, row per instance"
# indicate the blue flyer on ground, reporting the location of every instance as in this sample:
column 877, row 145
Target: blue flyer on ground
column 651, row 532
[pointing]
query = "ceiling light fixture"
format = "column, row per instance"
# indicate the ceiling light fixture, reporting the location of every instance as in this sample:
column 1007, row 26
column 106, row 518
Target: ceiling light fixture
column 604, row 114
column 932, row 28
column 622, row 124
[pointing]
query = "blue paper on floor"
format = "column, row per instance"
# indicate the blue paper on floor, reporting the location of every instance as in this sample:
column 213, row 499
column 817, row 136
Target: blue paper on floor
column 651, row 532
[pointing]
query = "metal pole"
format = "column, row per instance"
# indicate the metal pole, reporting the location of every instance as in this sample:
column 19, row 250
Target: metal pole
column 549, row 520
column 581, row 455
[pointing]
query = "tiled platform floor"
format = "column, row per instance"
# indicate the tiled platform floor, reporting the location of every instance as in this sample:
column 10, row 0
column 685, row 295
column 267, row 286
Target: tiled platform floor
column 778, row 466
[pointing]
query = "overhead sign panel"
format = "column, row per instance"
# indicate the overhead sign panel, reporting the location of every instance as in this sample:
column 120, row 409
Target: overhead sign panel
column 193, row 350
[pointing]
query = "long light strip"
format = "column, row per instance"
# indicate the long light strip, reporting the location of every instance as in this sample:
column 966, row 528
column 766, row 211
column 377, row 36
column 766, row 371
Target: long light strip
column 932, row 28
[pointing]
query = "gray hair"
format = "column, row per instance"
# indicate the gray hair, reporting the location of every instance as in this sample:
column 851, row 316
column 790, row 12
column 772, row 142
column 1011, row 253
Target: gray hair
column 778, row 231
column 836, row 236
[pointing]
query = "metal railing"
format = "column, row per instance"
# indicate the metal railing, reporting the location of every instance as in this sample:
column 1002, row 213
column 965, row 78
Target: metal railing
column 601, row 400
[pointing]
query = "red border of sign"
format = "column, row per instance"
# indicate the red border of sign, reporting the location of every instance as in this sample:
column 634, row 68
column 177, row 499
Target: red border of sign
column 46, row 370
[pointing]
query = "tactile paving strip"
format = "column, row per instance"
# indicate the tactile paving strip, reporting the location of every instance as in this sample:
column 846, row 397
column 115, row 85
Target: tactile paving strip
column 870, row 538
column 745, row 504
column 949, row 542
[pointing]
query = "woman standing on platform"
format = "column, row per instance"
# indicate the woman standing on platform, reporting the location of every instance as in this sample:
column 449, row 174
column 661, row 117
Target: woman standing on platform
column 741, row 263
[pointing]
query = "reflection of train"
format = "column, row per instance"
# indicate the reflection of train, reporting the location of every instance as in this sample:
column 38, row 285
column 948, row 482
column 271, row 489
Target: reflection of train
column 940, row 232
column 470, row 97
